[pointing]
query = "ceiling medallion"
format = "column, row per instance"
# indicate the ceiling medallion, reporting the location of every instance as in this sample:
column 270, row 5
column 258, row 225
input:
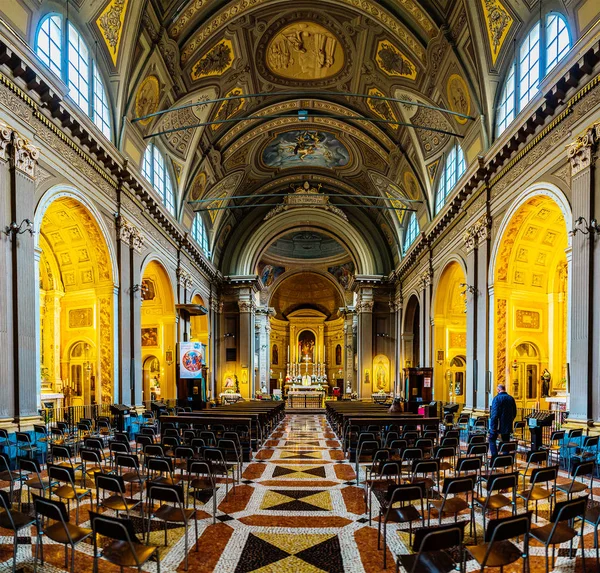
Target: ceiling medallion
column 147, row 98
column 305, row 196
column 305, row 51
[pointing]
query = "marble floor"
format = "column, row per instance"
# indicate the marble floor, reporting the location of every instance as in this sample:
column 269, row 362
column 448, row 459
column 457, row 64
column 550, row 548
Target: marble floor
column 297, row 509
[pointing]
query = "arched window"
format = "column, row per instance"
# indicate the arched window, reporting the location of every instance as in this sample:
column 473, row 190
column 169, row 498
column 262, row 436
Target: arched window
column 55, row 45
column 538, row 53
column 154, row 170
column 558, row 41
column 453, row 169
column 199, row 233
column 412, row 231
column 49, row 42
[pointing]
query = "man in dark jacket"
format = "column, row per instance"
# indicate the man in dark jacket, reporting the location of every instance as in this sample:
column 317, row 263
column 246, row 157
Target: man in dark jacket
column 504, row 411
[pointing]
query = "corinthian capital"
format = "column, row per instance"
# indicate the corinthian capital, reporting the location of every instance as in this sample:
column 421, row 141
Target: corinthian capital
column 581, row 150
column 137, row 240
column 246, row 305
column 425, row 278
column 5, row 138
column 24, row 155
column 364, row 306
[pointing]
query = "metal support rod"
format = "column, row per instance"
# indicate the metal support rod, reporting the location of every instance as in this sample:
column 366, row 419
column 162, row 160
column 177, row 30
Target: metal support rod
column 211, row 199
column 305, row 205
column 303, row 94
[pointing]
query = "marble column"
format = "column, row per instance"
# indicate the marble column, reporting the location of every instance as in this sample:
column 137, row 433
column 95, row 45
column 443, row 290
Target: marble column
column 364, row 310
column 26, row 378
column 124, row 358
column 7, row 395
column 398, row 344
column 349, row 349
column 425, row 351
column 136, row 382
column 246, row 345
column 263, row 330
column 584, row 369
column 214, row 330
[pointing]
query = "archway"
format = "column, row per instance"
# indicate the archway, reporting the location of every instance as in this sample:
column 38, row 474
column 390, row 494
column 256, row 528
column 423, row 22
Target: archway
column 199, row 324
column 450, row 335
column 76, row 290
column 530, row 303
column 411, row 333
column 158, row 331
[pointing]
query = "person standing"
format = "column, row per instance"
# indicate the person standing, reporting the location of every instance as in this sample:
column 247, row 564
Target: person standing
column 502, row 416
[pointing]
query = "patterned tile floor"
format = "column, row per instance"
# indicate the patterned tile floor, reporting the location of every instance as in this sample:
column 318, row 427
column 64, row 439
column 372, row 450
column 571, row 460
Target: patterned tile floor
column 298, row 509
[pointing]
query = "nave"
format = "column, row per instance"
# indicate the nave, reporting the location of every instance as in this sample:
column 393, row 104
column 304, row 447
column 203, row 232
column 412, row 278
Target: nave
column 297, row 507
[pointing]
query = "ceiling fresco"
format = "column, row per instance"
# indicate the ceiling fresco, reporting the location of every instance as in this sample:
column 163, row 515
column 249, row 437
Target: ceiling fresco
column 343, row 93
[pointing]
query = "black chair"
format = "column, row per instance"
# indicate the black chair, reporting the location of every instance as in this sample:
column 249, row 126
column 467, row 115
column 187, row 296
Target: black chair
column 13, row 520
column 128, row 467
column 448, row 505
column 11, row 476
column 402, row 494
column 25, row 445
column 61, row 531
column 537, row 491
column 69, row 490
column 497, row 549
column 32, row 479
column 575, row 485
column 557, row 531
column 385, row 474
column 201, row 484
column 125, row 549
column 117, row 501
column 534, row 460
column 429, row 547
column 497, row 487
column 173, row 510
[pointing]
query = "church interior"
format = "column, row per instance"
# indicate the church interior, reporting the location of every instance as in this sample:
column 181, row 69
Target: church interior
column 326, row 297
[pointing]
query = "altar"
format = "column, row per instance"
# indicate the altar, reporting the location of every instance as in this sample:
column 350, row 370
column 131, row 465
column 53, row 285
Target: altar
column 305, row 398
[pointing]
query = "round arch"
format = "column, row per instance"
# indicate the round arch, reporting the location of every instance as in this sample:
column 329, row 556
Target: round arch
column 541, row 188
column 245, row 259
column 411, row 330
column 61, row 191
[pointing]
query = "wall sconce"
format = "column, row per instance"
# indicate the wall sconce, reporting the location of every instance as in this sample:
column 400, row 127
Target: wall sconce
column 229, row 335
column 468, row 289
column 515, row 365
column 586, row 229
column 142, row 288
column 26, row 226
column 169, row 356
column 440, row 357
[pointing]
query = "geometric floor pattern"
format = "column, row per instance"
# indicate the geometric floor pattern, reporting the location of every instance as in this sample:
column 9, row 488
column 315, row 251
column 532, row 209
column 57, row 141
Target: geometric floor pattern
column 297, row 509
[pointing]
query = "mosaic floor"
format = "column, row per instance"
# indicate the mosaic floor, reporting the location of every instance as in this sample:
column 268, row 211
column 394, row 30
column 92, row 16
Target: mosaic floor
column 298, row 509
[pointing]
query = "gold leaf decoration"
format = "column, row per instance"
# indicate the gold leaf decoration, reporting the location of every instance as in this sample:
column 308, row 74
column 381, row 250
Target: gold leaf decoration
column 229, row 108
column 147, row 98
column 215, row 62
column 498, row 22
column 392, row 62
column 382, row 107
column 110, row 24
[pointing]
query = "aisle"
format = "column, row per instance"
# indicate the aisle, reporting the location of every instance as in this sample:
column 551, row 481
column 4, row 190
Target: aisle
column 297, row 510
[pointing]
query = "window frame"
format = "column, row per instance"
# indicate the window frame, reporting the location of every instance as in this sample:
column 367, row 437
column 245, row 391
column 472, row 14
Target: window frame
column 411, row 232
column 543, row 67
column 448, row 179
column 86, row 100
column 199, row 224
column 160, row 181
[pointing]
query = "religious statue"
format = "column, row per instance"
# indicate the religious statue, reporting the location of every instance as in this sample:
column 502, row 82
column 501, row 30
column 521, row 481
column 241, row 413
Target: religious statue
column 338, row 355
column 275, row 358
column 381, row 378
column 546, row 377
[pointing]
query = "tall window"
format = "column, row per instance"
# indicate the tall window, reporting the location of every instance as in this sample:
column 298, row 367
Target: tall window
column 453, row 169
column 154, row 169
column 199, row 233
column 65, row 53
column 412, row 231
column 540, row 51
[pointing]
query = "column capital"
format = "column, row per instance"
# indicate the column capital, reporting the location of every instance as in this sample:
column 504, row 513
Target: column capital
column 364, row 306
column 580, row 151
column 477, row 233
column 25, row 155
column 130, row 234
column 5, row 138
column 184, row 278
column 425, row 278
column 246, row 306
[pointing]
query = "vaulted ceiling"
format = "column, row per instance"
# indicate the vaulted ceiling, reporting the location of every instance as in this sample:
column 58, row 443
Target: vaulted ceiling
column 308, row 78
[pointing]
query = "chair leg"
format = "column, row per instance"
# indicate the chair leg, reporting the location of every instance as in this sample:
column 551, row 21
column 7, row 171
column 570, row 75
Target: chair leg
column 14, row 567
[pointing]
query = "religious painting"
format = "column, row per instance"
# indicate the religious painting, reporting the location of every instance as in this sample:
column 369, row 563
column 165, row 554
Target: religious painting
column 498, row 22
column 148, row 289
column 381, row 373
column 458, row 97
column 367, row 378
column 305, row 51
column 305, row 148
column 150, row 336
column 342, row 273
column 191, row 359
column 269, row 273
column 306, row 346
column 338, row 355
column 275, row 355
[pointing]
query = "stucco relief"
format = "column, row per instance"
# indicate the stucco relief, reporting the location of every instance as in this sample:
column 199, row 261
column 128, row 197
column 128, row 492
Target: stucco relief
column 501, row 305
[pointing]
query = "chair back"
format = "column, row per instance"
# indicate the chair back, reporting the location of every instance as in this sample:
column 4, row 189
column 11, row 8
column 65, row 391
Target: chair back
column 442, row 452
column 115, row 528
column 439, row 538
column 583, row 469
column 39, row 429
column 468, row 465
column 119, row 448
column 387, row 469
column 502, row 461
column 590, row 442
column 458, row 485
column 507, row 448
column 368, row 448
column 476, row 439
column 154, row 450
column 23, row 437
column 452, row 434
column 165, row 492
column 477, row 450
column 5, row 503
column 422, row 467
column 50, row 508
column 128, row 461
column 88, row 455
column 505, row 528
column 405, row 492
column 557, row 436
column 502, row 481
column 31, row 466
column 399, row 445
column 544, row 475
column 93, row 443
column 412, row 454
column 539, row 457
column 162, row 465
column 569, row 509
column 449, row 441
column 62, row 474
column 110, row 482
column 61, row 452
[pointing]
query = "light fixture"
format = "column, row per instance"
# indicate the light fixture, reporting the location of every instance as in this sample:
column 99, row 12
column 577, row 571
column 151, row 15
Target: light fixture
column 468, row 289
column 586, row 229
column 515, row 365
column 139, row 287
column 26, row 226
column 229, row 335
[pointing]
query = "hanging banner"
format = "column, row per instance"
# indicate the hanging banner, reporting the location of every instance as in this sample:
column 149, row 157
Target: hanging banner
column 192, row 356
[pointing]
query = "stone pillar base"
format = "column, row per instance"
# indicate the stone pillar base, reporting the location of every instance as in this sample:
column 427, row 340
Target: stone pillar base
column 26, row 423
column 588, row 426
column 9, row 425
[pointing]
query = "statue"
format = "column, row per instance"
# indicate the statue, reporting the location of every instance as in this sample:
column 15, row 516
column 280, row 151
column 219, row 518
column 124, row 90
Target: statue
column 546, row 377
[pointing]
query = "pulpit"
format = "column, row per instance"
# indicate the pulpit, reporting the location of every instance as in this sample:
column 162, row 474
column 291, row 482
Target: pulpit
column 419, row 391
